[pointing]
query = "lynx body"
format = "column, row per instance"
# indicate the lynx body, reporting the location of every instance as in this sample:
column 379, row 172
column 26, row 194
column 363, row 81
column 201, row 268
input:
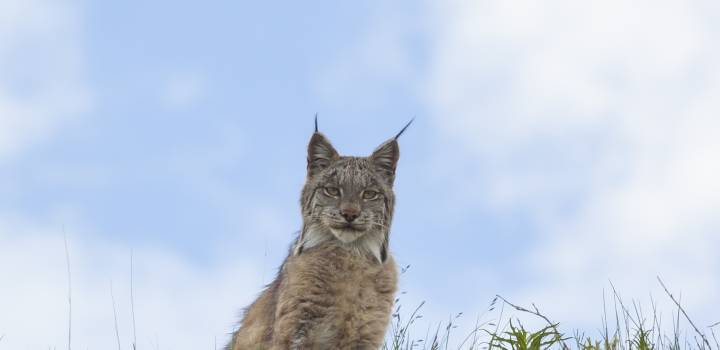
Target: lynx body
column 336, row 288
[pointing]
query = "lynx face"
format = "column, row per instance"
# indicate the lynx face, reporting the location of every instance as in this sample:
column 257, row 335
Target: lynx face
column 349, row 199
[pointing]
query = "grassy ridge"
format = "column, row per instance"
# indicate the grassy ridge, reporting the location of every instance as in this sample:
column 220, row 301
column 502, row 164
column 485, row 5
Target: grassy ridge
column 629, row 330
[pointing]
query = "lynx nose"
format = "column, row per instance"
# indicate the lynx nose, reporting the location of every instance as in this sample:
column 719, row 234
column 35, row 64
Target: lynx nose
column 350, row 213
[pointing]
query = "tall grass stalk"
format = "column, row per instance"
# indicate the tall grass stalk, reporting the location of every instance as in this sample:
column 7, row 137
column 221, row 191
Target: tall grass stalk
column 117, row 330
column 681, row 309
column 132, row 303
column 69, row 295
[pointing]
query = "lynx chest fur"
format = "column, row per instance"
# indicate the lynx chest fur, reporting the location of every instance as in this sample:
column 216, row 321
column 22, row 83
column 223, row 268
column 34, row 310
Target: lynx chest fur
column 348, row 297
column 336, row 288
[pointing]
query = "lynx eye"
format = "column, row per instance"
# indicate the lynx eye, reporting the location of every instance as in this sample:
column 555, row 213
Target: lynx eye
column 369, row 195
column 331, row 191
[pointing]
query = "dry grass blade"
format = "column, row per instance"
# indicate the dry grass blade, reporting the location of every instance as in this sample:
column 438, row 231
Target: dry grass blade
column 156, row 343
column 69, row 280
column 626, row 313
column 132, row 303
column 117, row 330
column 701, row 334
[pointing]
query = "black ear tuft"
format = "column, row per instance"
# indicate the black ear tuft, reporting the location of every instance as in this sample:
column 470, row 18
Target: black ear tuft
column 320, row 154
column 385, row 159
column 398, row 134
column 316, row 128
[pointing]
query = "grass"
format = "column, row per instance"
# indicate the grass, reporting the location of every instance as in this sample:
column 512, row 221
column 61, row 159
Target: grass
column 628, row 330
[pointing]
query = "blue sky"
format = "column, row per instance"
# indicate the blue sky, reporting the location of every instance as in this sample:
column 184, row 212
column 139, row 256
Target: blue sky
column 554, row 148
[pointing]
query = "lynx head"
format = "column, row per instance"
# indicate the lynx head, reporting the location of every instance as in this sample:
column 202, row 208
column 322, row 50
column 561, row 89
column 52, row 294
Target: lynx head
column 348, row 200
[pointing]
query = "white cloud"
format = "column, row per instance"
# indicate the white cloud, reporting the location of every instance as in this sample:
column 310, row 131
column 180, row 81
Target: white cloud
column 42, row 86
column 177, row 303
column 611, row 105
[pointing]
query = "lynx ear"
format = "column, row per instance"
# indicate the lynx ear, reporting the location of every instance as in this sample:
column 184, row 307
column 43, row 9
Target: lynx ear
column 320, row 154
column 385, row 159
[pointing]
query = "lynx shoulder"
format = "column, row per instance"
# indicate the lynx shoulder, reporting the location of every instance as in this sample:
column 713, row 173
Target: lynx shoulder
column 335, row 290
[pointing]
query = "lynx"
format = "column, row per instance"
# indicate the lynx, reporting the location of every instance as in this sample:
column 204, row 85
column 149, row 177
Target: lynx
column 335, row 289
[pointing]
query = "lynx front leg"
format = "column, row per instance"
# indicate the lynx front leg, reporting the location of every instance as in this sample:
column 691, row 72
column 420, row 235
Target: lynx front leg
column 293, row 330
column 304, row 301
column 298, row 315
column 300, row 340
